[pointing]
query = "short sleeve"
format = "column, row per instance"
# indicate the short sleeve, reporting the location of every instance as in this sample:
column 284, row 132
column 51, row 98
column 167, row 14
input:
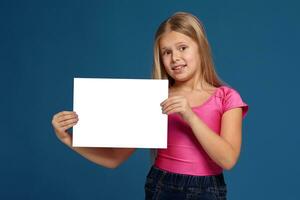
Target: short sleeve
column 232, row 99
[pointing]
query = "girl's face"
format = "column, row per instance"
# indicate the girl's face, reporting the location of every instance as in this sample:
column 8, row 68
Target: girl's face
column 180, row 56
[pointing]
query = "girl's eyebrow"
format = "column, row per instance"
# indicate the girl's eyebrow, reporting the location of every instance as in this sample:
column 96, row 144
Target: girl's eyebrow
column 178, row 43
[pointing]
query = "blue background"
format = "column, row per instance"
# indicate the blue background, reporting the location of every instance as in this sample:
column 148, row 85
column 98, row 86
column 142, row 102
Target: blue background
column 44, row 44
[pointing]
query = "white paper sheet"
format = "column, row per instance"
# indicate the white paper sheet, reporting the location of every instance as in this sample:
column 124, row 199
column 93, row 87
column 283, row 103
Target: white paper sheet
column 120, row 113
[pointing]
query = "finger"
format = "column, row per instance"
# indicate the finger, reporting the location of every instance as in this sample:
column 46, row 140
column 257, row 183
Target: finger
column 171, row 107
column 66, row 113
column 169, row 99
column 66, row 117
column 58, row 124
column 163, row 103
column 63, row 113
column 67, row 122
column 69, row 126
column 174, row 110
column 171, row 102
column 65, row 128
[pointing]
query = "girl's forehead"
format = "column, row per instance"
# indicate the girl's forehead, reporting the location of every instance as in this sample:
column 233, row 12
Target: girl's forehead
column 172, row 38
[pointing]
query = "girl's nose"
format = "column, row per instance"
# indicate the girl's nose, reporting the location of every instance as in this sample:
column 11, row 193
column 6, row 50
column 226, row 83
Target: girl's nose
column 175, row 57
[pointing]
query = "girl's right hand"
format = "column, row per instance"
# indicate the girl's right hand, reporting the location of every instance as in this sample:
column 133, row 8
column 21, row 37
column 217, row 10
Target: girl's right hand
column 61, row 122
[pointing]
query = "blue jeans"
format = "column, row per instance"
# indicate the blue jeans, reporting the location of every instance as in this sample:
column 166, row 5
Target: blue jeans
column 163, row 185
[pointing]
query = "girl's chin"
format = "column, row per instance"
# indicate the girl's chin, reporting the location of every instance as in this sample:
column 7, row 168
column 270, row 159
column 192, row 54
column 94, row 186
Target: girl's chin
column 183, row 77
column 180, row 78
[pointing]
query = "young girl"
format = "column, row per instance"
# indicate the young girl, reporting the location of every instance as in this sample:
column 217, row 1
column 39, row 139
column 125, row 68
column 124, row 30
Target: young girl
column 204, row 119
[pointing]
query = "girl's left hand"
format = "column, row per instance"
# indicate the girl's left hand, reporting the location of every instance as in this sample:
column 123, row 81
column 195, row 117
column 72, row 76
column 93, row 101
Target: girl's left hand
column 177, row 104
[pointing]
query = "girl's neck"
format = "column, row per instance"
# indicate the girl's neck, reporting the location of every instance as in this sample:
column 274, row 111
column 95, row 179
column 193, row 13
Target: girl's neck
column 191, row 86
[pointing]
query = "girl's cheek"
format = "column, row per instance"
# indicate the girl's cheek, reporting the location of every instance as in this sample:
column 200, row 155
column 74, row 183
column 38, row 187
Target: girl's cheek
column 166, row 65
column 188, row 55
column 191, row 60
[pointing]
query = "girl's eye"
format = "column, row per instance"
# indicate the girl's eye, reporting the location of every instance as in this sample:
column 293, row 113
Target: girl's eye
column 166, row 52
column 182, row 48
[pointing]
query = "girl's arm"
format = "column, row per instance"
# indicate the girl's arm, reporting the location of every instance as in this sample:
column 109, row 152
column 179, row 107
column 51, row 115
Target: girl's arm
column 224, row 149
column 107, row 157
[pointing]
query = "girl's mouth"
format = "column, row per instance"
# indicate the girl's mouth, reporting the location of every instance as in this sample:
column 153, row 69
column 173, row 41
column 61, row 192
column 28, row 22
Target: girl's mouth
column 178, row 68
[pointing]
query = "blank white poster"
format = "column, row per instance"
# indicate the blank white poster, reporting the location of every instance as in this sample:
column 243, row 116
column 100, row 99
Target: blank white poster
column 120, row 113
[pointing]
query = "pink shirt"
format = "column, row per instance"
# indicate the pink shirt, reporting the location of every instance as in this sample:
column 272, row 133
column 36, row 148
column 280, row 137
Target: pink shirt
column 184, row 154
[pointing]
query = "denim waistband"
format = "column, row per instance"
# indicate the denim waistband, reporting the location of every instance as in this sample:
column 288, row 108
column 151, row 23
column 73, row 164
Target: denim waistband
column 182, row 180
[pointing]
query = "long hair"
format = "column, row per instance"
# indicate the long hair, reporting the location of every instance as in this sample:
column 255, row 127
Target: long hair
column 192, row 27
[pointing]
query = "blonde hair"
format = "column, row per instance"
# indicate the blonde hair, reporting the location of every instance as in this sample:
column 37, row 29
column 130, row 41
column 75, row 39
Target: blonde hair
column 190, row 26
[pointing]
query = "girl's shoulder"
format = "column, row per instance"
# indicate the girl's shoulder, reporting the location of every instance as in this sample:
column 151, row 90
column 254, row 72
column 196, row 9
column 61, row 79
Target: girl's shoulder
column 226, row 91
column 230, row 98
